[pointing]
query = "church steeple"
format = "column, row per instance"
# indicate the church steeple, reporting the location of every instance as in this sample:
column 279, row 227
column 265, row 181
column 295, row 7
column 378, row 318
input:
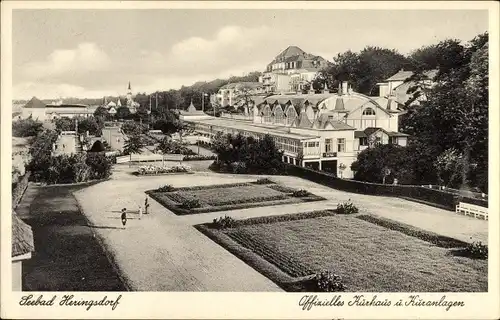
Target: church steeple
column 129, row 94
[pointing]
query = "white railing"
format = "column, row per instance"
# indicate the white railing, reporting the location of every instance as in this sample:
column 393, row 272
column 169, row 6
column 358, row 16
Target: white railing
column 149, row 157
column 472, row 210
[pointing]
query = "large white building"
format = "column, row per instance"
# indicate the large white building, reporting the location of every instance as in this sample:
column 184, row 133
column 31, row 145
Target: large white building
column 324, row 131
column 292, row 70
column 38, row 110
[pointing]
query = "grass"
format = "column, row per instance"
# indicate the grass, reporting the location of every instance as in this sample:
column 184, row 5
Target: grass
column 367, row 256
column 67, row 257
column 226, row 197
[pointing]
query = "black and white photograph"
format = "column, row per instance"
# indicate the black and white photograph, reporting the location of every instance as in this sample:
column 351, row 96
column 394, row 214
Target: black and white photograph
column 319, row 152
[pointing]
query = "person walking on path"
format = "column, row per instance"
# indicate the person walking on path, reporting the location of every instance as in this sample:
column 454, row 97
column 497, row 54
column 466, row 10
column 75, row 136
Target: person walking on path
column 140, row 212
column 146, row 206
column 124, row 217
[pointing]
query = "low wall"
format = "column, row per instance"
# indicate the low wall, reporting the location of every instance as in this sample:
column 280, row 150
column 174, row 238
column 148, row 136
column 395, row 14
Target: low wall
column 442, row 198
column 18, row 191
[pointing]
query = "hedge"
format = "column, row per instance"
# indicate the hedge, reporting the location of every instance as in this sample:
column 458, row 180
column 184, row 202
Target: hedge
column 440, row 197
column 20, row 188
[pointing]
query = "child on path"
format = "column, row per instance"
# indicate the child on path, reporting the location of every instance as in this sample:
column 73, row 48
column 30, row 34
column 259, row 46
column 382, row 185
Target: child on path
column 124, row 217
column 146, row 205
column 140, row 212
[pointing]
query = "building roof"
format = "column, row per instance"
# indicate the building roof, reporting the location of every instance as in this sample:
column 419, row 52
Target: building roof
column 70, row 111
column 35, row 103
column 302, row 121
column 22, row 237
column 67, row 106
column 235, row 85
column 402, row 75
column 289, row 52
column 325, row 120
column 369, row 131
column 251, row 127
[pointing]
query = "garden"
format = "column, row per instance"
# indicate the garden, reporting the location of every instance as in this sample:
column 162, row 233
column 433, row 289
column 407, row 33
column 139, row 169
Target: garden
column 210, row 198
column 329, row 251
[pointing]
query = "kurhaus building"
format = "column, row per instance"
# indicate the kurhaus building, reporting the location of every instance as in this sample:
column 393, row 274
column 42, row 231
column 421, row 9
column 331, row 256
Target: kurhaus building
column 324, row 131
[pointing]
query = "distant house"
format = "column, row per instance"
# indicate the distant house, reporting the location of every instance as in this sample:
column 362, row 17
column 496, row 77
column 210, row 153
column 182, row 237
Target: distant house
column 398, row 86
column 22, row 247
column 35, row 108
column 231, row 94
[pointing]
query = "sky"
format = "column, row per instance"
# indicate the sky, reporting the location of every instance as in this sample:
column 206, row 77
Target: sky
column 92, row 53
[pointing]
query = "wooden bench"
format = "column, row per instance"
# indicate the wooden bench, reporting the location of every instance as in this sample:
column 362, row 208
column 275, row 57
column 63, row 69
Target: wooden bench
column 472, row 210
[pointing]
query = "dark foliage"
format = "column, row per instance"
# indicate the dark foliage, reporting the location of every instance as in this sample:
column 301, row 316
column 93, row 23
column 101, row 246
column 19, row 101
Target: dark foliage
column 26, row 127
column 347, row 208
column 328, row 281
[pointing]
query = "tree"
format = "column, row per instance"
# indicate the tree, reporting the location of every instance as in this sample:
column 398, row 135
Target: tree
column 424, row 58
column 362, row 70
column 133, row 128
column 26, row 127
column 377, row 163
column 92, row 125
column 101, row 113
column 133, row 145
column 64, row 124
column 455, row 113
column 122, row 113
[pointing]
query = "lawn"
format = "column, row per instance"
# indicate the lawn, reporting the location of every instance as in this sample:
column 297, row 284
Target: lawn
column 367, row 256
column 67, row 255
column 227, row 197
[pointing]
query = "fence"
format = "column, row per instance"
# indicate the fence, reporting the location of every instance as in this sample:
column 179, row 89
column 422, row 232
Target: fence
column 149, row 157
column 442, row 198
column 20, row 188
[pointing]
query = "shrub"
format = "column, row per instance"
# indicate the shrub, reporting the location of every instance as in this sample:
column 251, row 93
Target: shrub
column 347, row 208
column 477, row 250
column 190, row 204
column 264, row 181
column 224, row 222
column 26, row 127
column 300, row 193
column 281, row 188
column 166, row 188
column 327, row 281
column 100, row 165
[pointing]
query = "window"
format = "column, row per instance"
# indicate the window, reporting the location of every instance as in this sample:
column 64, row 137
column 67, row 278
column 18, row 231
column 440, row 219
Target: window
column 394, row 140
column 328, row 145
column 341, row 144
column 363, row 141
column 369, row 112
column 378, row 140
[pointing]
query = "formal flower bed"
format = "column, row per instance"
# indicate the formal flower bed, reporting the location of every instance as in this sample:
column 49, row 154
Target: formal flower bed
column 326, row 252
column 200, row 199
column 154, row 170
column 199, row 157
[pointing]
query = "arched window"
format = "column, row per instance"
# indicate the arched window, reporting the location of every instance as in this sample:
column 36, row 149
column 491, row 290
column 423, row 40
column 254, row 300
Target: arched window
column 369, row 112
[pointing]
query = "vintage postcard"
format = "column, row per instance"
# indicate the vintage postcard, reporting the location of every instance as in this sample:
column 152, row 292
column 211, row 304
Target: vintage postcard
column 253, row 160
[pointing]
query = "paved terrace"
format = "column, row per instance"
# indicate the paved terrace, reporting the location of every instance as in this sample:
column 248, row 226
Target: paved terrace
column 163, row 252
